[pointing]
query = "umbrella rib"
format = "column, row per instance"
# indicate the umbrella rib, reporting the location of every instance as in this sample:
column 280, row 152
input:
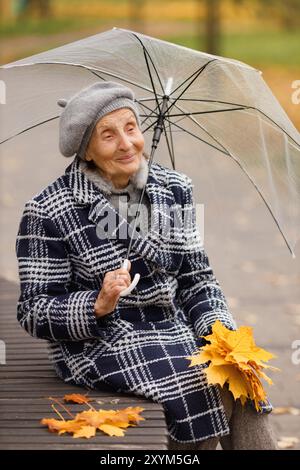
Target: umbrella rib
column 246, row 107
column 197, row 73
column 119, row 77
column 149, row 109
column 153, row 123
column 152, row 83
column 29, row 128
column 44, row 122
column 275, row 123
column 208, row 112
column 149, row 127
column 199, row 138
column 146, row 51
column 247, row 174
column 99, row 76
column 204, row 130
column 90, row 69
column 146, row 99
column 148, row 116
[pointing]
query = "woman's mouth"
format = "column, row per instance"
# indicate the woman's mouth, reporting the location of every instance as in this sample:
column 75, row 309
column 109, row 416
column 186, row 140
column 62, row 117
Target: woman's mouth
column 126, row 158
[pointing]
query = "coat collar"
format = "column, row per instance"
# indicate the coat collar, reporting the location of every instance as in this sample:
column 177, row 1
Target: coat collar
column 86, row 192
column 138, row 180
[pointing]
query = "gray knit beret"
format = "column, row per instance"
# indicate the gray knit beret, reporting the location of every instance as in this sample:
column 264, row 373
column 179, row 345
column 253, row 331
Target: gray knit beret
column 83, row 110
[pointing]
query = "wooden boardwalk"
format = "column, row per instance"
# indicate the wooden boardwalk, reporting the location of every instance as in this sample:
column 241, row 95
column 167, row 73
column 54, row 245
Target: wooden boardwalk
column 27, row 379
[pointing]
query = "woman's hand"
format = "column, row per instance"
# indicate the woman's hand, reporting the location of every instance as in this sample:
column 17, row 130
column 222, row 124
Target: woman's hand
column 114, row 283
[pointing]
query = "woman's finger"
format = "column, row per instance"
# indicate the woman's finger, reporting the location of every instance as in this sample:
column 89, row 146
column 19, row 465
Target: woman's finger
column 114, row 283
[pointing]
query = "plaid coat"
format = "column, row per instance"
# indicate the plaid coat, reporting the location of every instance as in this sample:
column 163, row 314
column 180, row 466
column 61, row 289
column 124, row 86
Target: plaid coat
column 142, row 346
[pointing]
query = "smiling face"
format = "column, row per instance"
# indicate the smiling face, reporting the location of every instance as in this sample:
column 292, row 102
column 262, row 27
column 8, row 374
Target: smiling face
column 116, row 146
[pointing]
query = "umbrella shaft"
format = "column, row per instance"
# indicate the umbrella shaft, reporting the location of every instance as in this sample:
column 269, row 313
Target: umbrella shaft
column 159, row 125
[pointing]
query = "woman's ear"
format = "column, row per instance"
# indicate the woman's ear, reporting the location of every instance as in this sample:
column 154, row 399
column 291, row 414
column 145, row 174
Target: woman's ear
column 87, row 156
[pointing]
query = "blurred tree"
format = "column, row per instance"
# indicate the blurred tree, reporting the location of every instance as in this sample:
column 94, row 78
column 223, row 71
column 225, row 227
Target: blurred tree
column 286, row 11
column 31, row 8
column 136, row 17
column 212, row 26
column 5, row 10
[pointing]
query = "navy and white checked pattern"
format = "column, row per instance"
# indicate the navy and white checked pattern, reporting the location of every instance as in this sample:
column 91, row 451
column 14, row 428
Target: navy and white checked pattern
column 142, row 346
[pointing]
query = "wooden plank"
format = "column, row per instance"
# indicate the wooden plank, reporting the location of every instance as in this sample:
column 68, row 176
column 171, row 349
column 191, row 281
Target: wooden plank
column 32, row 407
column 147, row 431
column 86, row 446
column 34, row 415
column 14, row 333
column 25, row 368
column 36, row 373
column 52, row 386
column 19, row 355
column 49, row 438
column 30, row 425
column 31, row 363
column 25, row 381
column 17, row 360
column 93, row 394
column 34, row 393
column 28, row 341
column 44, row 405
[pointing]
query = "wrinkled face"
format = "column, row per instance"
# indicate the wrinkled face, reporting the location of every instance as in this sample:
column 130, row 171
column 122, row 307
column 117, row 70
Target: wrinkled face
column 116, row 145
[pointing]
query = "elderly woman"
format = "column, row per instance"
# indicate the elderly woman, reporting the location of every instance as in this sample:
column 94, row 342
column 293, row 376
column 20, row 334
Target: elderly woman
column 72, row 279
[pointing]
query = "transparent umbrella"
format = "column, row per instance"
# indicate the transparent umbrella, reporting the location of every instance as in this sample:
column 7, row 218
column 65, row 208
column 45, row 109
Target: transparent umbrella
column 182, row 93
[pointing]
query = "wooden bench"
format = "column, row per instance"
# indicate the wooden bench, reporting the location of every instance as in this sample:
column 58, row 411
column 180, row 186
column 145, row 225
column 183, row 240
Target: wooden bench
column 27, row 379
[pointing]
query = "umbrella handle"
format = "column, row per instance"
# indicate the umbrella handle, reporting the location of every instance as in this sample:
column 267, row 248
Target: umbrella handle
column 134, row 282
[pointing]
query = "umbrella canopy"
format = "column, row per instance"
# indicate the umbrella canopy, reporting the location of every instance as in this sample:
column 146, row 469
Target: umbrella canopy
column 222, row 103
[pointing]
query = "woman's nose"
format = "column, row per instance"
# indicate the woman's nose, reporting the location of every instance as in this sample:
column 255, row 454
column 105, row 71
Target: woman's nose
column 124, row 142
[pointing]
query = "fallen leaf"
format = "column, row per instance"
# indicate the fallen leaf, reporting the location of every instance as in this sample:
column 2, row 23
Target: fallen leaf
column 111, row 430
column 287, row 442
column 290, row 410
column 77, row 398
column 234, row 358
column 85, row 431
column 61, row 426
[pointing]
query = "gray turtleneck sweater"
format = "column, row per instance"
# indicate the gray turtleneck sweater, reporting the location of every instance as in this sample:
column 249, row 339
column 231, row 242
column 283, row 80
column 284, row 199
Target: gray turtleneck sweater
column 126, row 200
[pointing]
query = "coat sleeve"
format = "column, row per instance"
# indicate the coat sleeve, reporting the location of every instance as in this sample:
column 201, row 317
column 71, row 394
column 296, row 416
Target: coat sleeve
column 47, row 308
column 199, row 291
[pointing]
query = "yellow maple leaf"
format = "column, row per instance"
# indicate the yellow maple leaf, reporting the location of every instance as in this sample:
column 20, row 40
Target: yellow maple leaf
column 235, row 359
column 111, row 430
column 61, row 426
column 77, row 398
column 133, row 413
column 85, row 431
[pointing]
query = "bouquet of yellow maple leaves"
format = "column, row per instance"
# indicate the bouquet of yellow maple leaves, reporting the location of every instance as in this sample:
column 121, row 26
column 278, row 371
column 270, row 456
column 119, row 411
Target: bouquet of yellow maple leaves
column 235, row 359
